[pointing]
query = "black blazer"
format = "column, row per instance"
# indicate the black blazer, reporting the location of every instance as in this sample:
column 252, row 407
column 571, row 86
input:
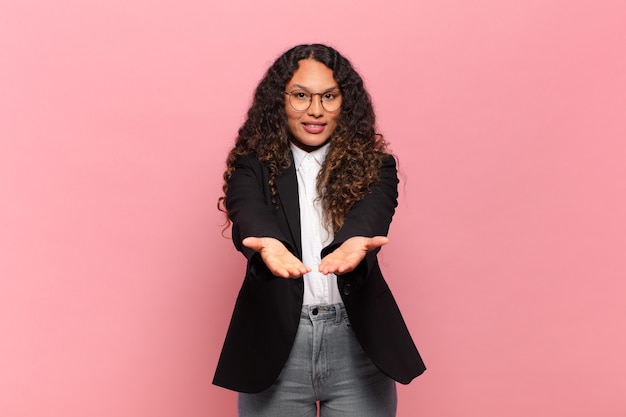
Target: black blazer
column 267, row 311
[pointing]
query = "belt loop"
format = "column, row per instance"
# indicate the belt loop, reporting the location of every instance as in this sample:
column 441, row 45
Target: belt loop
column 337, row 314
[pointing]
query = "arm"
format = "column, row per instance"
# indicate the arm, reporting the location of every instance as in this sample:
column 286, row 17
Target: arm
column 255, row 230
column 365, row 227
column 248, row 203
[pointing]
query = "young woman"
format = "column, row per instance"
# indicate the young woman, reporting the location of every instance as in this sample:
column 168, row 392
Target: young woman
column 311, row 189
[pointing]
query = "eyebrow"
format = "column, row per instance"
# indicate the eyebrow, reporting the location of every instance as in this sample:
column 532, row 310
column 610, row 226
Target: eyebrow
column 336, row 87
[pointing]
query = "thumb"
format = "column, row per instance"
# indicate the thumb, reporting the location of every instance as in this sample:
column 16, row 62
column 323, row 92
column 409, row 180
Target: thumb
column 253, row 243
column 376, row 242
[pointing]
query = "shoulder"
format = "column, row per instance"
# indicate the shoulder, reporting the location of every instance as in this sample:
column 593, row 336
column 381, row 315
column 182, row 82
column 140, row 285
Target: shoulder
column 388, row 160
column 249, row 162
column 247, row 159
column 388, row 166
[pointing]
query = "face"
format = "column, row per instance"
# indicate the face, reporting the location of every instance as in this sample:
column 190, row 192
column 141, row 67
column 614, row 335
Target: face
column 312, row 127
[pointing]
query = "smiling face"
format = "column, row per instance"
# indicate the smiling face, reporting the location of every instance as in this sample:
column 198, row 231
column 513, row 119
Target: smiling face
column 312, row 127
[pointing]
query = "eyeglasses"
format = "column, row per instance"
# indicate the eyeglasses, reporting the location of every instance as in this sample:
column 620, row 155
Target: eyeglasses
column 301, row 100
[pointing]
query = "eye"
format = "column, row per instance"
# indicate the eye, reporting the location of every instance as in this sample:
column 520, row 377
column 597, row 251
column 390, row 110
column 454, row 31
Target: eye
column 330, row 95
column 300, row 95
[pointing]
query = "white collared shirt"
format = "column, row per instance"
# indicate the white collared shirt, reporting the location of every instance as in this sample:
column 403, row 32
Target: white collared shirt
column 318, row 288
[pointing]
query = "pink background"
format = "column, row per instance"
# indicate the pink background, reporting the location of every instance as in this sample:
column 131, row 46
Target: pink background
column 508, row 249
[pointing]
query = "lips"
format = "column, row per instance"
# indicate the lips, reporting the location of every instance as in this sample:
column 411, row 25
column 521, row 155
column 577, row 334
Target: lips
column 314, row 128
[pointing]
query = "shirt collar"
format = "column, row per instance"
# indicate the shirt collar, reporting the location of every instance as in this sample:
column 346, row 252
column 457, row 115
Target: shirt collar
column 299, row 154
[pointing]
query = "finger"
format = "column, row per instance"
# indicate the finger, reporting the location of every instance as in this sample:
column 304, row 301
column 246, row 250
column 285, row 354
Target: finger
column 289, row 272
column 252, row 243
column 283, row 273
column 324, row 267
column 298, row 269
column 327, row 267
column 298, row 272
column 376, row 242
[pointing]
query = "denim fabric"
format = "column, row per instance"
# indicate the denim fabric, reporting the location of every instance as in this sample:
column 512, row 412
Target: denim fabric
column 326, row 365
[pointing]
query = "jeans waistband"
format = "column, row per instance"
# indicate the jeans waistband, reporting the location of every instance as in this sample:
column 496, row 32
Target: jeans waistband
column 329, row 312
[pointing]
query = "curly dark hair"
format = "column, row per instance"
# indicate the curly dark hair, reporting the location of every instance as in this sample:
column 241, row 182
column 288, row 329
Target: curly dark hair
column 356, row 149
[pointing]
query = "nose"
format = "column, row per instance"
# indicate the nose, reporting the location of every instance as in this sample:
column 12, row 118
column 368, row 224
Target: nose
column 316, row 109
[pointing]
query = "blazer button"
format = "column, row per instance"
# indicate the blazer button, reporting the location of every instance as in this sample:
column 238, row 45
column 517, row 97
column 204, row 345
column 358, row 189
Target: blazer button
column 347, row 289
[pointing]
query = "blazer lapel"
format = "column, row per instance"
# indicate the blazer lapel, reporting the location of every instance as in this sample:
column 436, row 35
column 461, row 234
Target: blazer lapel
column 287, row 187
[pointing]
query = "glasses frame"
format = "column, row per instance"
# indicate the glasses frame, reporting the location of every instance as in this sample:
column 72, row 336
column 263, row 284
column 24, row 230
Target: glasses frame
column 311, row 100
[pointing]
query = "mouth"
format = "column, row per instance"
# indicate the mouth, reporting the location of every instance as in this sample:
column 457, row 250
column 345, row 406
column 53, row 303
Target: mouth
column 314, row 127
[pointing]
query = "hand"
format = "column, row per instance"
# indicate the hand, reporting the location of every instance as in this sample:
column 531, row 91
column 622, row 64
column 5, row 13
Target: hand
column 277, row 258
column 350, row 254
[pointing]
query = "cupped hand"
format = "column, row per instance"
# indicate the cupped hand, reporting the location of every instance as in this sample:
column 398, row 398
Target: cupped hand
column 351, row 252
column 277, row 257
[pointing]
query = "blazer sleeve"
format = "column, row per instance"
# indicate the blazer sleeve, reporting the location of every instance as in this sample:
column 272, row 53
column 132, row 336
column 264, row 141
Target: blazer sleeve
column 371, row 216
column 250, row 206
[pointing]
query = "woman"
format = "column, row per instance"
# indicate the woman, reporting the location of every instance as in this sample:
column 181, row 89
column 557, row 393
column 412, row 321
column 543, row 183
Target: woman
column 310, row 190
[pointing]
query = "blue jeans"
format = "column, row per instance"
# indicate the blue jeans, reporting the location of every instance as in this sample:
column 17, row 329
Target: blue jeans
column 326, row 365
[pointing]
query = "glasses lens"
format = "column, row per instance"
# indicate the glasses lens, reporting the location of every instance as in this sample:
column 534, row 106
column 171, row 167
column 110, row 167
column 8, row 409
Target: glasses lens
column 299, row 100
column 331, row 101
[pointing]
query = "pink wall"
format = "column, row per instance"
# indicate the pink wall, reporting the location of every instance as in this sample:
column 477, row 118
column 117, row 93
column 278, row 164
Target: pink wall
column 508, row 250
